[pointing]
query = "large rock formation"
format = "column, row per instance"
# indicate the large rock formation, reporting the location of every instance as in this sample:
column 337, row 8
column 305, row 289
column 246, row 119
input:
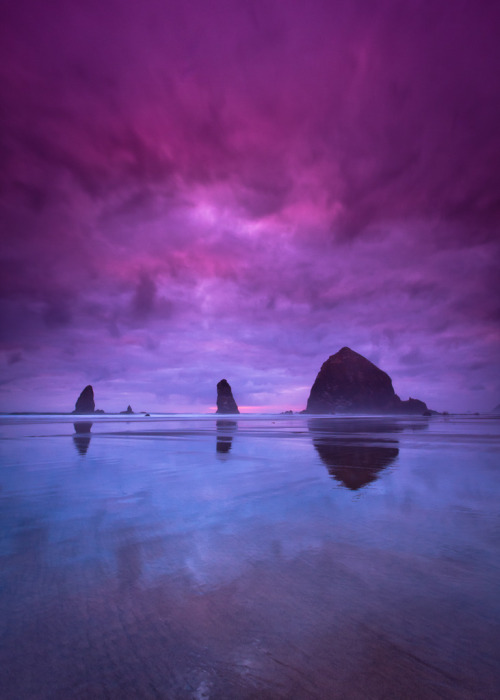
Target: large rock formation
column 85, row 402
column 349, row 383
column 225, row 399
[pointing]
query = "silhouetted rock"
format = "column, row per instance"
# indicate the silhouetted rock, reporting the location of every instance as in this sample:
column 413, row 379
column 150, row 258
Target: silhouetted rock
column 225, row 399
column 413, row 406
column 286, row 413
column 85, row 402
column 129, row 410
column 349, row 383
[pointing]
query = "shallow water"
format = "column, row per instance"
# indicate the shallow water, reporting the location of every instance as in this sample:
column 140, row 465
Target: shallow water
column 260, row 557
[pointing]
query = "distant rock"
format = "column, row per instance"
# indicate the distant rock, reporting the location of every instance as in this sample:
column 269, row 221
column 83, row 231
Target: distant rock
column 85, row 402
column 225, row 400
column 129, row 410
column 349, row 383
column 286, row 413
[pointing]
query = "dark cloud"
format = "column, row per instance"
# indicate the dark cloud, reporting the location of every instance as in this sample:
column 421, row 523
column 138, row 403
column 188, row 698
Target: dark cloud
column 144, row 297
column 14, row 358
column 57, row 313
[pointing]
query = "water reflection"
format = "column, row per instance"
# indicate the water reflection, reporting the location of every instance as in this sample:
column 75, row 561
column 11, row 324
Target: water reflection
column 82, row 436
column 225, row 432
column 355, row 460
column 355, row 466
column 176, row 570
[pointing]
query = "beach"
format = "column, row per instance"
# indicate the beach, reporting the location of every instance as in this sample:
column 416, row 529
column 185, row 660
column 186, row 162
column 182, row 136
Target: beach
column 250, row 556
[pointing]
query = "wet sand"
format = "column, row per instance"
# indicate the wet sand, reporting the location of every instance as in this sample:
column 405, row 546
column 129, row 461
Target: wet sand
column 271, row 557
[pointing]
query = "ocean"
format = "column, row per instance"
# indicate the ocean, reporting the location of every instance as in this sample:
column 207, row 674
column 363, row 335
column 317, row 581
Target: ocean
column 253, row 556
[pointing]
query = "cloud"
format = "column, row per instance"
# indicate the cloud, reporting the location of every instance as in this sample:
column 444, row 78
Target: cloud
column 244, row 190
column 144, row 297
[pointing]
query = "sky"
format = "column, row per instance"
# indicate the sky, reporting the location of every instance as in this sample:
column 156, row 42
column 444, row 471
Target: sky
column 192, row 191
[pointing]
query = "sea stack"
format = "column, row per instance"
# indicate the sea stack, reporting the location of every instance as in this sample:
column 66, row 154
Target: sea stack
column 349, row 383
column 85, row 402
column 225, row 400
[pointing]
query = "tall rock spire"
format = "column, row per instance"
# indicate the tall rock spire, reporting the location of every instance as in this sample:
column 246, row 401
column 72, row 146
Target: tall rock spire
column 85, row 402
column 225, row 399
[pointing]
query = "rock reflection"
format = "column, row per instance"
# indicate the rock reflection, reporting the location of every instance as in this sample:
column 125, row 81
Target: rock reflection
column 355, row 461
column 225, row 432
column 355, row 466
column 82, row 436
column 367, row 424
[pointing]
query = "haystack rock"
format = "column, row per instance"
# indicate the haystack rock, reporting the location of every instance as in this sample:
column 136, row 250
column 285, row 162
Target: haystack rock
column 349, row 383
column 129, row 410
column 225, row 399
column 85, row 402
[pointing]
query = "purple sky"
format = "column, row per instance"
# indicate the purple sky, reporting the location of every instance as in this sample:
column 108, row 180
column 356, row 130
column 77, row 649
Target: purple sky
column 198, row 190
